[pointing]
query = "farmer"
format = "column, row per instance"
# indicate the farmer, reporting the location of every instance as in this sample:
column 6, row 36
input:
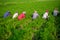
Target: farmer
column 22, row 15
column 15, row 15
column 6, row 14
column 55, row 12
column 45, row 15
column 35, row 15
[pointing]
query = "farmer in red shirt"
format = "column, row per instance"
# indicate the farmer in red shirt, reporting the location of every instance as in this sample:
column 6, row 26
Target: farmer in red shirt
column 22, row 15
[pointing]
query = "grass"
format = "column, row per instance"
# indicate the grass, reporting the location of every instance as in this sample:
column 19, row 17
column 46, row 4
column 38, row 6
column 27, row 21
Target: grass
column 26, row 29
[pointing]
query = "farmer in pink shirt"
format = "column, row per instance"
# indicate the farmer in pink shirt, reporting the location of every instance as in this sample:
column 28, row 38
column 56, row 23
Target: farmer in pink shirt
column 21, row 16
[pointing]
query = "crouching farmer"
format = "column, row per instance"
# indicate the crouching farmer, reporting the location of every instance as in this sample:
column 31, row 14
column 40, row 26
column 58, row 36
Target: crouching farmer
column 55, row 12
column 7, row 14
column 35, row 15
column 15, row 15
column 21, row 16
column 45, row 15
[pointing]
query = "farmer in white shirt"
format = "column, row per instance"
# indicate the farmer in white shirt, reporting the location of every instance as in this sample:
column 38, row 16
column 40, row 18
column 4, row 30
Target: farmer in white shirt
column 15, row 15
column 35, row 15
column 55, row 12
column 45, row 15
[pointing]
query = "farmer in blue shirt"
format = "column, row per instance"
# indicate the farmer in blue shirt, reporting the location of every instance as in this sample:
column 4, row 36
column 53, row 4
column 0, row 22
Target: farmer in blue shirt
column 35, row 15
column 55, row 12
column 6, row 14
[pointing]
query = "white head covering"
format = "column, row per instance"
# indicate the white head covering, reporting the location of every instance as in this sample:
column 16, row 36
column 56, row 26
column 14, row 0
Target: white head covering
column 35, row 11
column 24, row 12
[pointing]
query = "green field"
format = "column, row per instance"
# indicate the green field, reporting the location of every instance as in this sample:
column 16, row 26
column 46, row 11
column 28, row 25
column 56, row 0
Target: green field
column 26, row 29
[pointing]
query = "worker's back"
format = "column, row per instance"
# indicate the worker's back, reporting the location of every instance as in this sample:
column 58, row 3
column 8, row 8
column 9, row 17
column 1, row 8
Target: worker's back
column 21, row 16
column 6, row 14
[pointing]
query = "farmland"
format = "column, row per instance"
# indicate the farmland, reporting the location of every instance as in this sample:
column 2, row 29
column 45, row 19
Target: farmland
column 26, row 29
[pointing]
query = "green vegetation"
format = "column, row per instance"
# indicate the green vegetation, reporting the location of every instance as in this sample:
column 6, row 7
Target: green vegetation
column 26, row 29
